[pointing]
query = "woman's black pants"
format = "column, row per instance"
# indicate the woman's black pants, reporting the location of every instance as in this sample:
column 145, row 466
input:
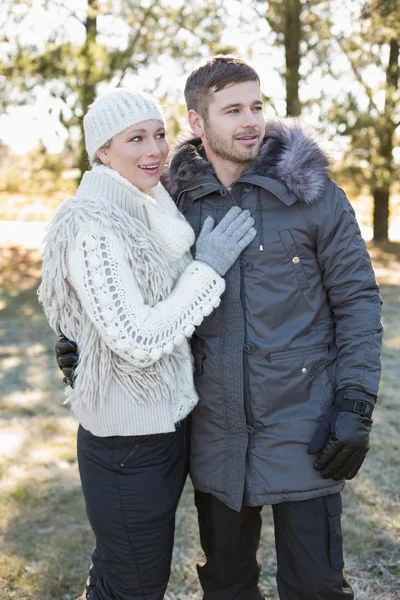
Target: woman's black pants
column 132, row 487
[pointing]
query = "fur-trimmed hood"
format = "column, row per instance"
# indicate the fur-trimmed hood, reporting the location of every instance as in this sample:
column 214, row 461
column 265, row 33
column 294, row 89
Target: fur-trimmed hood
column 288, row 154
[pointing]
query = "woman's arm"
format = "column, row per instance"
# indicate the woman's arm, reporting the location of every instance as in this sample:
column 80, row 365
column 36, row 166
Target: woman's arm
column 139, row 333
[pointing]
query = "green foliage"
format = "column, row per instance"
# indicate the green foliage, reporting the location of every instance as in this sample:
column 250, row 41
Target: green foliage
column 119, row 38
column 303, row 29
column 312, row 17
column 369, row 114
column 368, row 121
column 386, row 17
column 36, row 173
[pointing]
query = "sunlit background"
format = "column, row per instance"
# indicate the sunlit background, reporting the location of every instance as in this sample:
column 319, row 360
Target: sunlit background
column 332, row 63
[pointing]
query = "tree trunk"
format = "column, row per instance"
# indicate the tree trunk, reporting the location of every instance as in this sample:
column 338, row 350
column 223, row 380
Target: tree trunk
column 381, row 214
column 88, row 90
column 292, row 39
column 381, row 192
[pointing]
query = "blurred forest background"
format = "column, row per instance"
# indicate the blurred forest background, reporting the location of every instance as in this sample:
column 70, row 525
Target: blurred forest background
column 333, row 63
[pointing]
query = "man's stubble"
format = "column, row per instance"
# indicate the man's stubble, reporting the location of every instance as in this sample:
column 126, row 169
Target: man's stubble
column 225, row 149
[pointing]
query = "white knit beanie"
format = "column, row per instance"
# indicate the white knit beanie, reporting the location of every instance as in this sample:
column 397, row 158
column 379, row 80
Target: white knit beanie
column 115, row 111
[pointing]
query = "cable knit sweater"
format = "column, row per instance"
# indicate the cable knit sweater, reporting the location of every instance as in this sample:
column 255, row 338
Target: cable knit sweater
column 119, row 279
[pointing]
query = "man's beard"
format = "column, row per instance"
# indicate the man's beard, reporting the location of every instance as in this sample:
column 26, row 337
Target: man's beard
column 227, row 151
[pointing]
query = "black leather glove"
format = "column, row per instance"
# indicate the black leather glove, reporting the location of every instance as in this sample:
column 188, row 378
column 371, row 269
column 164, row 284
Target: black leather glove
column 342, row 436
column 67, row 358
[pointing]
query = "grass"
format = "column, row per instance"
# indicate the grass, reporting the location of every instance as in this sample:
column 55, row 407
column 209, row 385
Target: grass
column 45, row 540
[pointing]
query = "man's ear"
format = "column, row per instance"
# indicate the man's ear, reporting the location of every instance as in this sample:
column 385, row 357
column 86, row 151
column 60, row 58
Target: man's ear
column 196, row 123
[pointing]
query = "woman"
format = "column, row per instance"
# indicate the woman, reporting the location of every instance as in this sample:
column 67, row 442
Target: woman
column 119, row 279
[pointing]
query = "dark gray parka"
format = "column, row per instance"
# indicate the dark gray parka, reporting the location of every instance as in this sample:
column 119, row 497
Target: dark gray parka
column 300, row 319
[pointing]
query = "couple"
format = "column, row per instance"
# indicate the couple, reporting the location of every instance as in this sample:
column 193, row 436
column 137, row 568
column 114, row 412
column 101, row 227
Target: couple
column 282, row 311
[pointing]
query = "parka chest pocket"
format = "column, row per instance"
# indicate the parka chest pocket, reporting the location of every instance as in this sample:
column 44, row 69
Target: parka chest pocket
column 293, row 255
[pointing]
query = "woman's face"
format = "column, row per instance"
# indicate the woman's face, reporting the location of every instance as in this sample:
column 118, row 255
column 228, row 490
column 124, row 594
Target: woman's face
column 138, row 153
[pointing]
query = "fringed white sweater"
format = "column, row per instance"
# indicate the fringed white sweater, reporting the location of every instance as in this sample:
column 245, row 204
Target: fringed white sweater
column 119, row 280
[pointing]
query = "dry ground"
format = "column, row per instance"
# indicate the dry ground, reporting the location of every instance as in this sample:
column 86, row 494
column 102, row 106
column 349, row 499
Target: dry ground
column 45, row 541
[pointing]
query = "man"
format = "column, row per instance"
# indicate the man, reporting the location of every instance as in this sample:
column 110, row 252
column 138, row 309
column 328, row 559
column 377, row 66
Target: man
column 287, row 368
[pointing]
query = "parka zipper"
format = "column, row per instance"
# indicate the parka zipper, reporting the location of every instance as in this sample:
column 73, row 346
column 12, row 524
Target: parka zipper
column 247, row 405
column 259, row 222
column 247, row 408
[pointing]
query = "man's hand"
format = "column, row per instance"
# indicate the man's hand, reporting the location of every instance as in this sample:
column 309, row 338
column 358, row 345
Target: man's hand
column 342, row 437
column 67, row 358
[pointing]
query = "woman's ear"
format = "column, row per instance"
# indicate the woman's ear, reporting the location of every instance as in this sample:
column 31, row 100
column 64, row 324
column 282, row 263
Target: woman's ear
column 102, row 156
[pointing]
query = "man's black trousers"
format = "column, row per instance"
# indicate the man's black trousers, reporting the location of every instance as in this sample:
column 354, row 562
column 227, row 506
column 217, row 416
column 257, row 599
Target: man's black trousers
column 132, row 487
column 308, row 544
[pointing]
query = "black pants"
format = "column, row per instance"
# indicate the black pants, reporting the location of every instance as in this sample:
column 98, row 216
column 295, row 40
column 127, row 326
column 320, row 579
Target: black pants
column 308, row 544
column 132, row 487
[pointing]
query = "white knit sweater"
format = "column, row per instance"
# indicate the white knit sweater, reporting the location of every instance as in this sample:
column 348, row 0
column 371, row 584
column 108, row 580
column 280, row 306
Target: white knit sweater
column 119, row 279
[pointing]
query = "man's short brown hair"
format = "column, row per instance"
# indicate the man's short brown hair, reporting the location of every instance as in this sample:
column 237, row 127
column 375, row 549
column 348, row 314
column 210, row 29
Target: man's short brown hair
column 215, row 75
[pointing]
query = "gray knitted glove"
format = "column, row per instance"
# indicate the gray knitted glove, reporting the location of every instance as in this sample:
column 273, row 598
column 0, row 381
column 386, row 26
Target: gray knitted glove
column 221, row 246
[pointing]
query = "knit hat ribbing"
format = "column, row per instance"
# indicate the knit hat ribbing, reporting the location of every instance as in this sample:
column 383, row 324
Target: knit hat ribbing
column 115, row 111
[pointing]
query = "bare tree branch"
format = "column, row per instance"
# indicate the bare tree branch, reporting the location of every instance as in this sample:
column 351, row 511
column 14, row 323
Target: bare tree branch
column 357, row 75
column 67, row 9
column 270, row 103
column 263, row 15
column 127, row 54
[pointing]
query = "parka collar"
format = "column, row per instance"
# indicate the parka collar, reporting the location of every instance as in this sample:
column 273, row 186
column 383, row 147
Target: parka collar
column 290, row 164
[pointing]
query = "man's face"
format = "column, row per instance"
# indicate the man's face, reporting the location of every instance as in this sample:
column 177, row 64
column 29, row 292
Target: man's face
column 234, row 126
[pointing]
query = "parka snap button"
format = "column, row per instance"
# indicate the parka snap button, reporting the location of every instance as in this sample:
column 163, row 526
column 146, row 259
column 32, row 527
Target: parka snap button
column 248, row 187
column 304, row 370
column 249, row 348
column 295, row 260
column 246, row 265
column 258, row 427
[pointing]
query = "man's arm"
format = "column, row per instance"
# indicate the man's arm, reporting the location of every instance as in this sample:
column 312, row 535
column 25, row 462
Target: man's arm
column 67, row 358
column 342, row 438
column 354, row 297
